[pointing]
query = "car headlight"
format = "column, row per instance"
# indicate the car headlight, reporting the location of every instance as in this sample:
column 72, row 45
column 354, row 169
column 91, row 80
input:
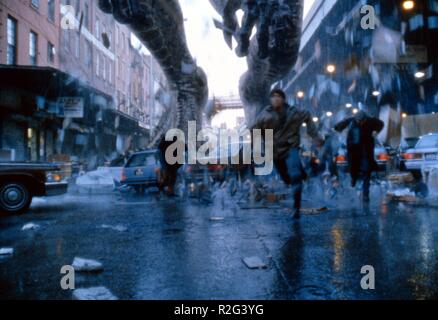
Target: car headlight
column 54, row 177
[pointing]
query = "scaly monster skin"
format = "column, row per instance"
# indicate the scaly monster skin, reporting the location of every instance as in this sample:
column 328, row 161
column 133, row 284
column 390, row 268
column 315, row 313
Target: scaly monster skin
column 285, row 22
column 159, row 25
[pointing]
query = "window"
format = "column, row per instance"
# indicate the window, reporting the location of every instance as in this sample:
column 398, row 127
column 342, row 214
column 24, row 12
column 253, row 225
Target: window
column 104, row 68
column 33, row 48
column 430, row 141
column 77, row 6
column 35, row 3
column 97, row 64
column 51, row 10
column 86, row 16
column 12, row 41
column 66, row 39
column 78, row 45
column 97, row 29
column 143, row 159
column 88, row 55
column 50, row 52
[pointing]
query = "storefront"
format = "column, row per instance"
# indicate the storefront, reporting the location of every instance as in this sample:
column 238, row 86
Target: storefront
column 47, row 115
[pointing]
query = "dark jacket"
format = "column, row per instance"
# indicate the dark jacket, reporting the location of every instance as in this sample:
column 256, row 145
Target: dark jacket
column 360, row 142
column 286, row 127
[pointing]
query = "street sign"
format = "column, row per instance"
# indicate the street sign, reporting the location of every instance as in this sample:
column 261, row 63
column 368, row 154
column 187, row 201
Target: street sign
column 71, row 107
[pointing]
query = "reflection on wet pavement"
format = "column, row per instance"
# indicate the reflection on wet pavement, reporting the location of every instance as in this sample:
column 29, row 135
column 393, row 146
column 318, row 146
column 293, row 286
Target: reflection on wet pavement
column 173, row 249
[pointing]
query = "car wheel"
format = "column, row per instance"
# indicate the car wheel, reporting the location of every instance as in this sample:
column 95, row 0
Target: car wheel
column 15, row 197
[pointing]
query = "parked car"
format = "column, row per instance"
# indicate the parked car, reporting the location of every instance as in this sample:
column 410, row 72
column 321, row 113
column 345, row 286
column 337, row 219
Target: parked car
column 405, row 144
column 408, row 143
column 142, row 170
column 381, row 156
column 424, row 154
column 20, row 182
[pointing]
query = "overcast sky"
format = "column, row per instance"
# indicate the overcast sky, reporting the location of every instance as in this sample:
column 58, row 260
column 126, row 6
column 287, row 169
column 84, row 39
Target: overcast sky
column 207, row 45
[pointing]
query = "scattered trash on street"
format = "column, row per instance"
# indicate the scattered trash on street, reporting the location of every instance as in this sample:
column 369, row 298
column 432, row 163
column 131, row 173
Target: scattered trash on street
column 403, row 195
column 254, row 263
column 430, row 174
column 94, row 293
column 118, row 227
column 30, row 226
column 216, row 219
column 87, row 265
column 96, row 182
column 6, row 251
column 314, row 211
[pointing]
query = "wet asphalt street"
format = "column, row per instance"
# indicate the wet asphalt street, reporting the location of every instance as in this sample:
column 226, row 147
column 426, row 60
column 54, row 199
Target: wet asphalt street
column 172, row 249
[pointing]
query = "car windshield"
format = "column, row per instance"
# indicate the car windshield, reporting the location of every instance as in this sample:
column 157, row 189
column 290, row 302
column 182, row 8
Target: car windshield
column 142, row 159
column 430, row 141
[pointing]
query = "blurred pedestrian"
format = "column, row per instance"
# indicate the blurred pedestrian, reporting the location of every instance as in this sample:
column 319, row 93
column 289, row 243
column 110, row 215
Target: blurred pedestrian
column 362, row 131
column 169, row 173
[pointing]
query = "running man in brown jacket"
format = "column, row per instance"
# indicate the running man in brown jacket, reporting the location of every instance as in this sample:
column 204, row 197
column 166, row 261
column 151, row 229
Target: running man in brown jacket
column 286, row 121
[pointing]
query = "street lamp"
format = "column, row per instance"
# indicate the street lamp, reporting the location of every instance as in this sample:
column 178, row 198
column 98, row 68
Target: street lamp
column 408, row 5
column 355, row 110
column 315, row 119
column 300, row 94
column 420, row 74
column 331, row 68
column 404, row 115
column 376, row 93
column 349, row 105
column 329, row 114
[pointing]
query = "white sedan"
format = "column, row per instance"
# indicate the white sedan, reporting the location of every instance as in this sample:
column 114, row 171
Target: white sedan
column 424, row 154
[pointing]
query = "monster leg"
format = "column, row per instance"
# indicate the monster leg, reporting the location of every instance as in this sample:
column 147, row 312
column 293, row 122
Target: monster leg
column 160, row 27
column 249, row 20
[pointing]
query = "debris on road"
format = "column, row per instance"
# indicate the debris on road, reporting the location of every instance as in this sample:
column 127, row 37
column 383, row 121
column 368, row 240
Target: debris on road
column 30, row 226
column 403, row 195
column 86, row 265
column 118, row 227
column 217, row 219
column 6, row 251
column 311, row 211
column 402, row 187
column 94, row 293
column 430, row 174
column 401, row 178
column 96, row 182
column 254, row 263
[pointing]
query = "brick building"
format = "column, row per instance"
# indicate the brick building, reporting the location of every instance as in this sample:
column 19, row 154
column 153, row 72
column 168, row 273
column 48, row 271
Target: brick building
column 29, row 36
column 29, row 32
column 89, row 66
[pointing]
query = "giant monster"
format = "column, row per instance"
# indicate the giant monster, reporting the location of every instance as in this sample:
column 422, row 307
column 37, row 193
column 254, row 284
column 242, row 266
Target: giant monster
column 159, row 24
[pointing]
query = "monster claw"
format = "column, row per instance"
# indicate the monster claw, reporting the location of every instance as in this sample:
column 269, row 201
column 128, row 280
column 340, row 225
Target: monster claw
column 228, row 34
column 228, row 39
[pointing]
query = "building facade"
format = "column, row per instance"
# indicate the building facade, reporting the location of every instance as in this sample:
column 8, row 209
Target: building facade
column 29, row 32
column 101, row 88
column 386, row 65
column 29, row 36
